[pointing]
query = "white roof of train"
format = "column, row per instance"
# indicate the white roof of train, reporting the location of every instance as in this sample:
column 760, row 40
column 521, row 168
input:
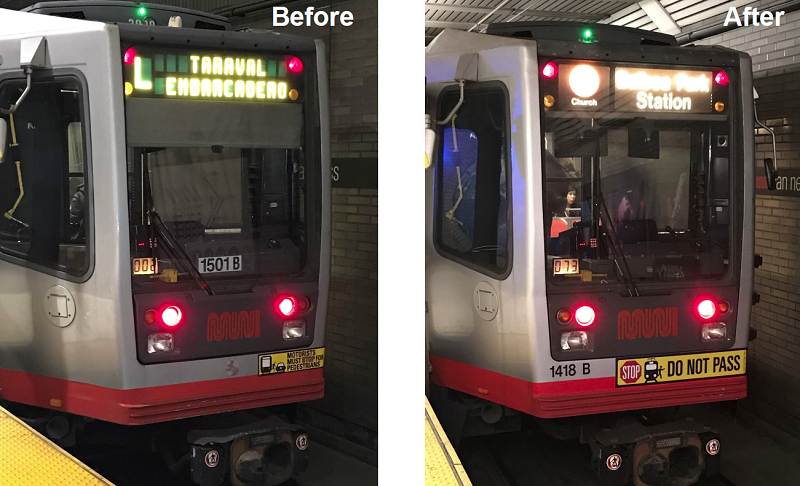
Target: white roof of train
column 454, row 40
column 18, row 24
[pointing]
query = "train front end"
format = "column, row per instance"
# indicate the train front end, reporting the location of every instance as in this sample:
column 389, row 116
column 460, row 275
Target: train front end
column 188, row 278
column 228, row 233
column 601, row 206
column 647, row 197
column 648, row 216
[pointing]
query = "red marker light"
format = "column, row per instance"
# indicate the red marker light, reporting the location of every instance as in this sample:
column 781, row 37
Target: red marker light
column 171, row 316
column 706, row 309
column 550, row 70
column 721, row 78
column 584, row 315
column 287, row 306
column 295, row 65
column 130, row 54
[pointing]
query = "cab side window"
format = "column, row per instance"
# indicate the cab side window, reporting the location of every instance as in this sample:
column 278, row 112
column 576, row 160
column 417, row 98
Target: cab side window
column 43, row 194
column 471, row 189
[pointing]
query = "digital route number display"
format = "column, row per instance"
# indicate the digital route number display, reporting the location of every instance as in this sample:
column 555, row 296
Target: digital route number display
column 166, row 73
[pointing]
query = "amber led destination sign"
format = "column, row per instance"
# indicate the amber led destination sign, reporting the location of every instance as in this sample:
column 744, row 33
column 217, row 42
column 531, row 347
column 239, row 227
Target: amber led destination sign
column 198, row 75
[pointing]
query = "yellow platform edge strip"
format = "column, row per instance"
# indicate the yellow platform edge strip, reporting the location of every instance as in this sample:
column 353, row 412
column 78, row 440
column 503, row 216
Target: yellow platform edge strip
column 79, row 471
column 442, row 448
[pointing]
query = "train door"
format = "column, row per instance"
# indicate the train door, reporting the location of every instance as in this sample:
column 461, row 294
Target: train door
column 47, row 230
column 470, row 220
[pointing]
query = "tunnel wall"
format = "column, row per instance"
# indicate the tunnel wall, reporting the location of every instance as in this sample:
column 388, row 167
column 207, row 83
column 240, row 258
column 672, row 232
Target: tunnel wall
column 774, row 356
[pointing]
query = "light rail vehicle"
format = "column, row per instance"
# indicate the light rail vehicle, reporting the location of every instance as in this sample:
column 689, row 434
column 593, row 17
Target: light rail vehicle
column 164, row 233
column 589, row 238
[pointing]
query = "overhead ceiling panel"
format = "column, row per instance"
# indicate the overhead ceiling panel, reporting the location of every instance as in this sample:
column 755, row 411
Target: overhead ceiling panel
column 213, row 6
column 626, row 13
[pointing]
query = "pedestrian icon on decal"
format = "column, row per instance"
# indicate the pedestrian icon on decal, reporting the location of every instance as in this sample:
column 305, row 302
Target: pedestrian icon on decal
column 652, row 372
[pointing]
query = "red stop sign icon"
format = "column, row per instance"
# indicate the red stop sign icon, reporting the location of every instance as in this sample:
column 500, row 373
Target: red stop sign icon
column 630, row 372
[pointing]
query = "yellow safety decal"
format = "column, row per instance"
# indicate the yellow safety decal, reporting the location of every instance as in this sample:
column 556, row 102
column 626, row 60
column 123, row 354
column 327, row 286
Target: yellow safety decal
column 442, row 466
column 300, row 360
column 648, row 371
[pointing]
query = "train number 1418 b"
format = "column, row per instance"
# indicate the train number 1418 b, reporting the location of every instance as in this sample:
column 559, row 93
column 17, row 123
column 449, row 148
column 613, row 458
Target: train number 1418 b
column 571, row 369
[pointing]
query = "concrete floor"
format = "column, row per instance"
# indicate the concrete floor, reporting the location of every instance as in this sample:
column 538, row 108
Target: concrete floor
column 754, row 453
column 332, row 468
column 327, row 467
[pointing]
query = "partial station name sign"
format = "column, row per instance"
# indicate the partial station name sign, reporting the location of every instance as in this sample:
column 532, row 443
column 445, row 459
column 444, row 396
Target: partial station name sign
column 788, row 183
column 355, row 173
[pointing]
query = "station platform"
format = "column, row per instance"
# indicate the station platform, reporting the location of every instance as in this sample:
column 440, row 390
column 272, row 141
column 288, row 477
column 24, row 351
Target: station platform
column 442, row 466
column 27, row 458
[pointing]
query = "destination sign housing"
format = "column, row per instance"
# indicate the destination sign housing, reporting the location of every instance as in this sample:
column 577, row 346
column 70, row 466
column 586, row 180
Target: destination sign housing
column 184, row 74
column 596, row 87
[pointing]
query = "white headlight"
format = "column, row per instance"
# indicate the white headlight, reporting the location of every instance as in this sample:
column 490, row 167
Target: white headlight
column 294, row 329
column 714, row 331
column 160, row 343
column 574, row 341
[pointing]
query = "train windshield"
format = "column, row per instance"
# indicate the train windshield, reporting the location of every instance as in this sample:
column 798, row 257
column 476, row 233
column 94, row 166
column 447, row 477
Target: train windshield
column 230, row 212
column 637, row 197
column 216, row 169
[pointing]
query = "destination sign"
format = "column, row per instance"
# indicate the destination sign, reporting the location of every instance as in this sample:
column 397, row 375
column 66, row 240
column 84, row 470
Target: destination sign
column 662, row 90
column 199, row 75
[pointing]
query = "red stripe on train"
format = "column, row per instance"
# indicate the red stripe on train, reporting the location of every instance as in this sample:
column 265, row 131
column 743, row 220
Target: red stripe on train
column 160, row 403
column 579, row 397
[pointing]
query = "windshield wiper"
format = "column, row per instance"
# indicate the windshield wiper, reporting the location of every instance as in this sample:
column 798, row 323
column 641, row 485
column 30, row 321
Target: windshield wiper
column 177, row 251
column 173, row 246
column 627, row 276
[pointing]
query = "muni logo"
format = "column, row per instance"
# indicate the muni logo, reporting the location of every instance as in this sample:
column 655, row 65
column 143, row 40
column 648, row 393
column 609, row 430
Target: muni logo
column 647, row 323
column 233, row 325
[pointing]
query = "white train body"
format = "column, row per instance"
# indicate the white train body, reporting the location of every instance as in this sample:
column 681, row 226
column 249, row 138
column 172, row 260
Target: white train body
column 77, row 326
column 494, row 234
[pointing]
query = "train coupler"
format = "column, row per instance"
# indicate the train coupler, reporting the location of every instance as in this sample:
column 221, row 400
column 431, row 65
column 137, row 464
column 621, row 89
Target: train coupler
column 265, row 453
column 669, row 454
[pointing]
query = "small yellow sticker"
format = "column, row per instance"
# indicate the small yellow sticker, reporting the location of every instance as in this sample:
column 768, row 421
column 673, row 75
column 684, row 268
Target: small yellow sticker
column 300, row 360
column 647, row 371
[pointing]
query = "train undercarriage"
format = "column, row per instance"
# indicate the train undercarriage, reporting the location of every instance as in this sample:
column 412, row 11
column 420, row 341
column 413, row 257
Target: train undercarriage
column 260, row 447
column 656, row 447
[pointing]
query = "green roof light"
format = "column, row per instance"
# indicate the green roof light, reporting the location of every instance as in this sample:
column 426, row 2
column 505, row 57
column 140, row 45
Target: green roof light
column 587, row 36
column 142, row 11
